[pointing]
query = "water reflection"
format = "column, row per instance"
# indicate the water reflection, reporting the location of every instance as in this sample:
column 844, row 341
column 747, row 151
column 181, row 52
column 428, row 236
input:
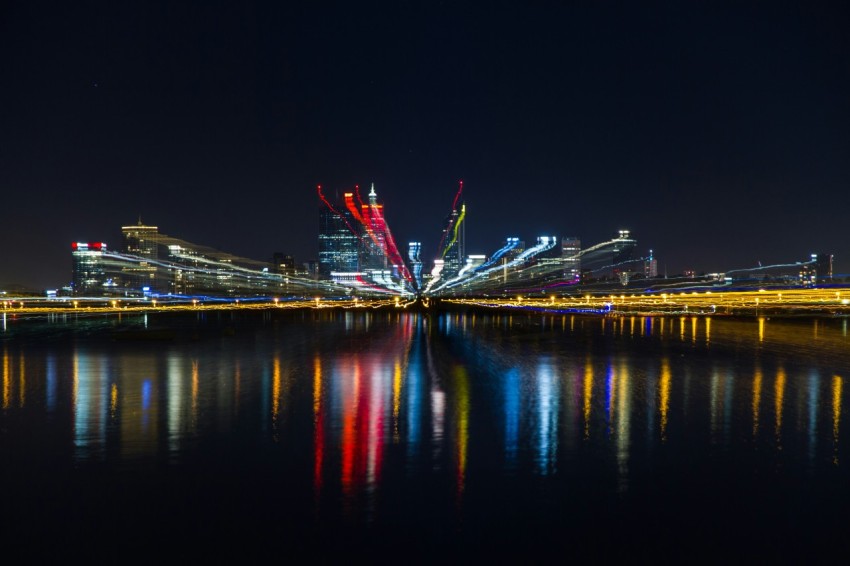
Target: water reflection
column 454, row 394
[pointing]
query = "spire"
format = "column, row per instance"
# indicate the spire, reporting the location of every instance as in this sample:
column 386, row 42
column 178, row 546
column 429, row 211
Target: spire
column 373, row 196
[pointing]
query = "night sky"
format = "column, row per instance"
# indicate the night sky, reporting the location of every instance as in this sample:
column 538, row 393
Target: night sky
column 718, row 133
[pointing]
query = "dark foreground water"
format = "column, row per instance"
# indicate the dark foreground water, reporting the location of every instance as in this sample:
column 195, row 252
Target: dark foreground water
column 303, row 437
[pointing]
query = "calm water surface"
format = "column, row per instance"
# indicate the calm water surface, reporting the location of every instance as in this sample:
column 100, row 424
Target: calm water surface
column 412, row 437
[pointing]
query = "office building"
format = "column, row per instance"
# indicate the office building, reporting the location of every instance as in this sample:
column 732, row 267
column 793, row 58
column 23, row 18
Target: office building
column 90, row 272
column 339, row 242
column 142, row 242
column 571, row 255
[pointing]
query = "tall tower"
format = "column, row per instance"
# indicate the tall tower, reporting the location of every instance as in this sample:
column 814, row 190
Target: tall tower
column 373, row 251
column 453, row 238
column 89, row 275
column 571, row 254
column 142, row 242
column 650, row 266
column 414, row 250
column 338, row 242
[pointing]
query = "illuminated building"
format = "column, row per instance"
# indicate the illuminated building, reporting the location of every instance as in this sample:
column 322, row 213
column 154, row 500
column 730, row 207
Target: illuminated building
column 823, row 266
column 414, row 250
column 143, row 242
column 472, row 262
column 373, row 248
column 650, row 267
column 90, row 271
column 155, row 264
column 612, row 259
column 355, row 242
column 817, row 270
column 338, row 242
column 284, row 264
column 515, row 248
column 452, row 250
column 549, row 251
column 623, row 248
column 571, row 254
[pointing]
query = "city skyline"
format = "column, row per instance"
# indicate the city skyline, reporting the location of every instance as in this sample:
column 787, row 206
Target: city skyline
column 447, row 270
column 716, row 134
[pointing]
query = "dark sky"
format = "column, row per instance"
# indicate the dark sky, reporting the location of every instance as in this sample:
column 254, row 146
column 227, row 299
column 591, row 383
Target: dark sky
column 718, row 133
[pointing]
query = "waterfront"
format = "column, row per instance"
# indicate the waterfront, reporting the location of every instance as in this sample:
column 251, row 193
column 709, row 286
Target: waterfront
column 416, row 435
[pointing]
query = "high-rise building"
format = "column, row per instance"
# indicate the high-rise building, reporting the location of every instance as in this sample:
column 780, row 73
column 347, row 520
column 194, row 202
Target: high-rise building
column 339, row 242
column 571, row 255
column 373, row 249
column 622, row 254
column 141, row 241
column 90, row 274
column 283, row 263
column 823, row 266
column 453, row 242
column 414, row 250
column 609, row 260
column 650, row 266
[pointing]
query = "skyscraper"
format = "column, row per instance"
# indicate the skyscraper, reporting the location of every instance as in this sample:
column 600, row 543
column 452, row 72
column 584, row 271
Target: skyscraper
column 571, row 254
column 823, row 266
column 414, row 250
column 143, row 242
column 373, row 250
column 89, row 271
column 339, row 242
column 453, row 242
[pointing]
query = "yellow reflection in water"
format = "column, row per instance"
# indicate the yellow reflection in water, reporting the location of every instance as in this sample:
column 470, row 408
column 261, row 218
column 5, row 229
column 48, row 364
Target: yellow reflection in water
column 707, row 330
column 462, row 384
column 113, row 400
column 682, row 328
column 318, row 425
column 756, row 399
column 317, row 384
column 623, row 416
column 661, row 326
column 761, row 329
column 588, row 392
column 664, row 393
column 275, row 391
column 780, row 396
column 22, row 381
column 694, row 329
column 195, row 386
column 836, row 414
column 7, row 378
column 396, row 397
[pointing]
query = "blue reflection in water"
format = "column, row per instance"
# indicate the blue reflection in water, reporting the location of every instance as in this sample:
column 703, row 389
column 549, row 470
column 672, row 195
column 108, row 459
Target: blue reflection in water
column 512, row 414
column 415, row 386
column 813, row 385
column 52, row 382
column 547, row 415
column 146, row 402
column 91, row 403
column 501, row 422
